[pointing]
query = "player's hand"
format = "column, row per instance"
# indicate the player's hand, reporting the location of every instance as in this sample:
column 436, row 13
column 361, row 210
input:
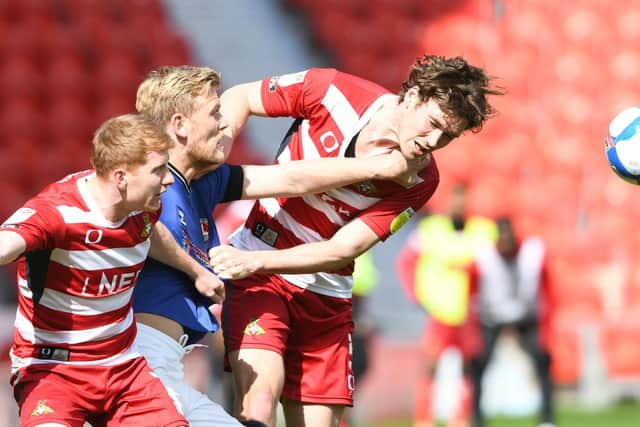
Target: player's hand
column 209, row 285
column 232, row 263
column 395, row 166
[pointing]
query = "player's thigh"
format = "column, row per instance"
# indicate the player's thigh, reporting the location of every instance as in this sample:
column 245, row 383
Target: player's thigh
column 298, row 414
column 256, row 369
column 45, row 398
column 142, row 399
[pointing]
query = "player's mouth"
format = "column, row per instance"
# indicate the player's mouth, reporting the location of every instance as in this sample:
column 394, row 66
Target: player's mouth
column 420, row 149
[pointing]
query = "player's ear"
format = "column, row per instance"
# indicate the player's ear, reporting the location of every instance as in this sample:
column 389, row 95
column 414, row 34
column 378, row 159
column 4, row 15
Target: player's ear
column 120, row 178
column 412, row 97
column 179, row 125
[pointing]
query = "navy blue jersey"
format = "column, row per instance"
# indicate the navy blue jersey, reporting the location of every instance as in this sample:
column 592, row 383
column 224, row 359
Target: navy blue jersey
column 187, row 211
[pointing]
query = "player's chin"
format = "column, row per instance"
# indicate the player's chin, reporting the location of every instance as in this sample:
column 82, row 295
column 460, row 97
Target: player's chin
column 219, row 156
column 154, row 203
column 224, row 146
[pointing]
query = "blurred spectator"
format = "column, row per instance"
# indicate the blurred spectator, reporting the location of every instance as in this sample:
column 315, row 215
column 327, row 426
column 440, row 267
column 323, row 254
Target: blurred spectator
column 433, row 270
column 510, row 284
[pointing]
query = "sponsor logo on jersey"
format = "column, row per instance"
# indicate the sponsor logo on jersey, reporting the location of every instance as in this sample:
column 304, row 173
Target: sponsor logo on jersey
column 253, row 328
column 399, row 221
column 186, row 241
column 93, row 236
column 204, row 226
column 42, row 409
column 265, row 234
column 51, row 353
column 148, row 226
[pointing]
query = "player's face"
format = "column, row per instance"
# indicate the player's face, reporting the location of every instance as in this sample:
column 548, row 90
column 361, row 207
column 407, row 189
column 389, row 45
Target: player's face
column 425, row 127
column 207, row 143
column 147, row 182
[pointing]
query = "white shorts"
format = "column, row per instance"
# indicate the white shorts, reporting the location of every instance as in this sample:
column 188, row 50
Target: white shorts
column 164, row 355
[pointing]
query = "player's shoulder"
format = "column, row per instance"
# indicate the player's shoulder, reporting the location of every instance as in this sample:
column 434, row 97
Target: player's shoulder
column 62, row 192
column 64, row 187
column 215, row 181
column 342, row 80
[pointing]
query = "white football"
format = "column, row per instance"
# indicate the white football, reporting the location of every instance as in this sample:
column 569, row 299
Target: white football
column 622, row 145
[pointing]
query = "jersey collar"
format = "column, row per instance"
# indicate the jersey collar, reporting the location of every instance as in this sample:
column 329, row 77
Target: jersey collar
column 174, row 170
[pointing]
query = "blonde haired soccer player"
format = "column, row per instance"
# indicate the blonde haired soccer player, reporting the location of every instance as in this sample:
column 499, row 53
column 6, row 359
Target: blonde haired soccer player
column 171, row 315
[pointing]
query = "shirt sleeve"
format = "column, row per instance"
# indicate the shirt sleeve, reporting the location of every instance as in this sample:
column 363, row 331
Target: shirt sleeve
column 391, row 213
column 235, row 184
column 295, row 95
column 38, row 223
column 213, row 187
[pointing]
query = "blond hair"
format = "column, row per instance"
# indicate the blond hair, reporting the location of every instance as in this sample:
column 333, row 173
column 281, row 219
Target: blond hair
column 173, row 89
column 126, row 140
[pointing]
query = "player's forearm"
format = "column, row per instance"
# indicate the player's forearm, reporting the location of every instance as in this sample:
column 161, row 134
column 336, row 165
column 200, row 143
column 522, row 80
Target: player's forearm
column 315, row 176
column 307, row 258
column 12, row 245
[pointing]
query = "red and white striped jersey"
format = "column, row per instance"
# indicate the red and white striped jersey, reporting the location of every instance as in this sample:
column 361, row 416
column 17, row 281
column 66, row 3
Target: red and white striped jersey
column 331, row 108
column 76, row 277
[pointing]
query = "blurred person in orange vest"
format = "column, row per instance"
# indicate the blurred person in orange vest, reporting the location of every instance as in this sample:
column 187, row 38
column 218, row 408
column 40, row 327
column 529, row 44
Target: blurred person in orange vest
column 510, row 287
column 433, row 270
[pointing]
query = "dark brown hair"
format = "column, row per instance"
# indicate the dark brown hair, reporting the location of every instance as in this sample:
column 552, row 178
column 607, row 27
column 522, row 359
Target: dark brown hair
column 459, row 88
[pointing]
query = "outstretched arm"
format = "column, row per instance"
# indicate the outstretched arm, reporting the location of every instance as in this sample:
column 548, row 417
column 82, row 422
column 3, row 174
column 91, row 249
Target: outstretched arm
column 350, row 241
column 302, row 177
column 165, row 249
column 12, row 245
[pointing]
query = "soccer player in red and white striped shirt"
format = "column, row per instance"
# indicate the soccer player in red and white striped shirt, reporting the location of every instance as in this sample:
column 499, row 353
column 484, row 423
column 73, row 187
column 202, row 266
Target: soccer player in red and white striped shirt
column 287, row 336
column 82, row 242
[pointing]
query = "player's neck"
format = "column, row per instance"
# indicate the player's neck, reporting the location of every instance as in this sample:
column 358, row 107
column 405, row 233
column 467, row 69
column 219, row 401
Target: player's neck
column 380, row 133
column 107, row 199
column 188, row 168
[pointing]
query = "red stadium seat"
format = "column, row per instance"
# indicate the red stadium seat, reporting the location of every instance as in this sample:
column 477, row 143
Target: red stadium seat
column 169, row 48
column 21, row 80
column 110, row 106
column 118, row 75
column 68, row 77
column 68, row 118
column 21, row 119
